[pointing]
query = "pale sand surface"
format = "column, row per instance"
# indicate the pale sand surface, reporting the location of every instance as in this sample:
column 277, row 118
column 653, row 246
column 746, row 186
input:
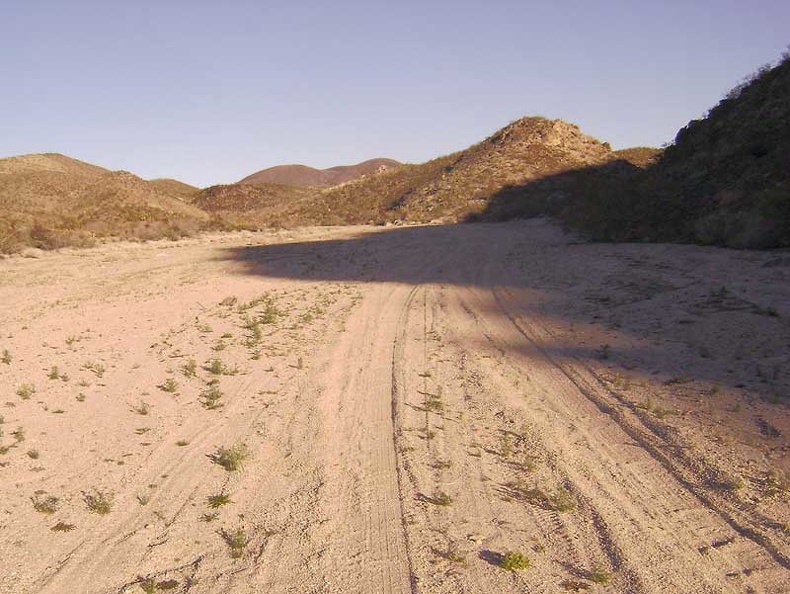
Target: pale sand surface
column 416, row 402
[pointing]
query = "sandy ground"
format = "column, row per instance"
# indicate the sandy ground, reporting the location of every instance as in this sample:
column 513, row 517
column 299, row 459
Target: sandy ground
column 394, row 410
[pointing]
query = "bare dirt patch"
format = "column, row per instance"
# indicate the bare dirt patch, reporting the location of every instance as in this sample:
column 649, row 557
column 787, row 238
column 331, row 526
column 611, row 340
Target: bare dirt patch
column 477, row 408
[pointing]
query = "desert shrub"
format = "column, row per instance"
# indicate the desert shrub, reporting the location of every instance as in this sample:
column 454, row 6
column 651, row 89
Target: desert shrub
column 45, row 504
column 215, row 501
column 231, row 458
column 99, row 502
column 598, row 575
column 236, row 540
column 514, row 561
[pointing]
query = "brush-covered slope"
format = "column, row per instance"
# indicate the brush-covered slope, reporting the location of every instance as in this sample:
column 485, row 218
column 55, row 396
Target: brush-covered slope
column 50, row 200
column 173, row 187
column 724, row 181
column 729, row 174
column 457, row 186
column 302, row 175
column 250, row 206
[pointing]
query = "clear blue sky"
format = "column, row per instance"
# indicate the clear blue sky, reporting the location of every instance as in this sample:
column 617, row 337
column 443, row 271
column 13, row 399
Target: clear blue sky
column 208, row 92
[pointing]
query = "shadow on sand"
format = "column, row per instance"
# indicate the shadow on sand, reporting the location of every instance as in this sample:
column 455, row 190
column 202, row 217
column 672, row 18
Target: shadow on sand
column 672, row 311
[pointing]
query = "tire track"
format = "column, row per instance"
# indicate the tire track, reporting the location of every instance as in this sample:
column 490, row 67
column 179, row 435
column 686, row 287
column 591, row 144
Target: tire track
column 365, row 542
column 592, row 388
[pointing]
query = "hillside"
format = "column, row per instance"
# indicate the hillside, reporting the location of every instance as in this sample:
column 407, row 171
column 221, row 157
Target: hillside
column 176, row 188
column 250, row 206
column 724, row 181
column 302, row 175
column 459, row 185
column 732, row 168
column 50, row 200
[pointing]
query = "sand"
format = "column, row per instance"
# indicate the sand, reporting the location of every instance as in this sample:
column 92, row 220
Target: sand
column 396, row 409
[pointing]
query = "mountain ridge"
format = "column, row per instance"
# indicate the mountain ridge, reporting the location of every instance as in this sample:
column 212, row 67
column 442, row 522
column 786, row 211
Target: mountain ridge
column 724, row 181
column 304, row 175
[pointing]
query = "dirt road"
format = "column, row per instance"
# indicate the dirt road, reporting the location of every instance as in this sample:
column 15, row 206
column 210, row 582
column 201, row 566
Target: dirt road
column 395, row 410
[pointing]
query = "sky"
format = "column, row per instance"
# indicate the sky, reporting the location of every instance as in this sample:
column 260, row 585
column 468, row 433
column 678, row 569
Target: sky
column 208, row 92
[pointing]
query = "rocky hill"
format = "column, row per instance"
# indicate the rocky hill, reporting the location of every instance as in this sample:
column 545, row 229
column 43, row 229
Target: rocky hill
column 50, row 200
column 302, row 175
column 460, row 185
column 724, row 181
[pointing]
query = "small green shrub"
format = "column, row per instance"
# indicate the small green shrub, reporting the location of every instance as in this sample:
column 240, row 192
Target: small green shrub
column 236, row 540
column 96, row 368
column 99, row 502
column 216, row 501
column 54, row 373
column 6, row 358
column 433, row 403
column 48, row 504
column 210, row 398
column 25, row 391
column 231, row 458
column 62, row 527
column 514, row 561
column 142, row 409
column 561, row 500
column 217, row 367
column 270, row 313
column 255, row 335
column 169, row 385
column 189, row 369
column 439, row 498
column 598, row 575
column 505, row 446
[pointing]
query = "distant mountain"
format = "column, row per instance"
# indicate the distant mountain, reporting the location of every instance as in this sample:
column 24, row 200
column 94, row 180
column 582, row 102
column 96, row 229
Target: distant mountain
column 302, row 175
column 50, row 200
